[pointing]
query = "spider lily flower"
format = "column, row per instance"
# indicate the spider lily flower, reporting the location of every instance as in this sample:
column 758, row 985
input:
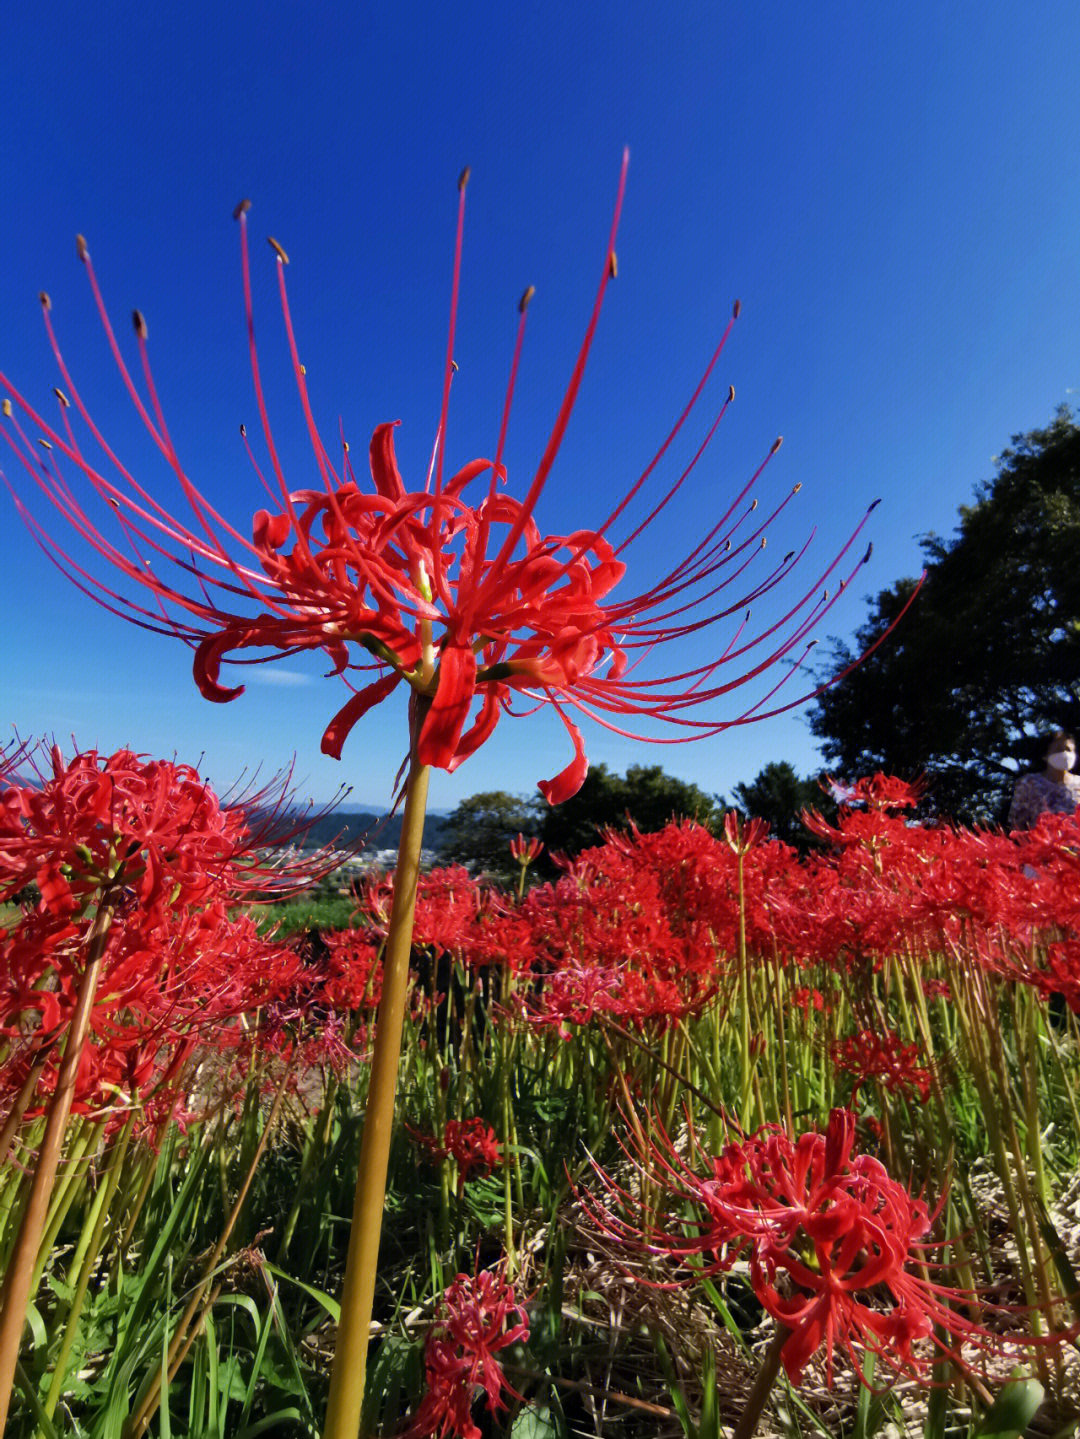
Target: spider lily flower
column 838, row 1250
column 448, row 587
column 479, row 1316
column 526, row 850
column 152, row 827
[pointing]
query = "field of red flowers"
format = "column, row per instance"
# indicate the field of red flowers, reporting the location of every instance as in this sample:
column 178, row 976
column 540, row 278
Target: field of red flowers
column 700, row 1138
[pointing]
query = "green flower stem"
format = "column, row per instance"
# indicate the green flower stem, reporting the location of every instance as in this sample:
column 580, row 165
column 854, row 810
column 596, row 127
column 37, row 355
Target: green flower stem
column 199, row 1306
column 83, row 1262
column 314, row 1149
column 358, row 1297
column 504, row 1050
column 18, row 1277
column 70, row 1185
column 22, row 1100
column 762, row 1387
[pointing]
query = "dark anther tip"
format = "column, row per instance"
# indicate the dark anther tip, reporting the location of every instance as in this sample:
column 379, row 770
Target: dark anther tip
column 243, row 206
column 776, row 444
column 243, row 432
column 796, row 488
column 139, row 323
column 613, row 264
column 43, row 297
column 869, row 552
column 80, row 246
column 523, row 303
column 454, row 366
column 736, row 309
column 730, row 393
column 62, row 397
column 277, row 249
column 463, row 178
column 873, row 507
column 5, row 409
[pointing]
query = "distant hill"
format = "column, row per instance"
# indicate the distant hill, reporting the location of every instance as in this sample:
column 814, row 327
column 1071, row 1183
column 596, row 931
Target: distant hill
column 347, row 827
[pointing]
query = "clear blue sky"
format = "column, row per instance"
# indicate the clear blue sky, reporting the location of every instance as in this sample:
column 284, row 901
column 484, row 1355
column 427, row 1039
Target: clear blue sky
column 893, row 193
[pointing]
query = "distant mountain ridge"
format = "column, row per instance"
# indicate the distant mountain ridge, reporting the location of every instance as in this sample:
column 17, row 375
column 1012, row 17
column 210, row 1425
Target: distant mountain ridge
column 345, row 828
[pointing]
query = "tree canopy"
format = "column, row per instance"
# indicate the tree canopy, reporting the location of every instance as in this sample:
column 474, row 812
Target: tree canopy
column 987, row 661
column 779, row 795
column 645, row 796
column 480, row 829
column 478, row 832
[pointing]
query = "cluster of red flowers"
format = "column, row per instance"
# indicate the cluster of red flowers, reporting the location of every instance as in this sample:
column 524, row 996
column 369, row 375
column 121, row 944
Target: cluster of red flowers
column 142, row 852
column 470, row 1143
column 869, row 1055
column 644, row 928
column 837, row 1250
column 479, row 1317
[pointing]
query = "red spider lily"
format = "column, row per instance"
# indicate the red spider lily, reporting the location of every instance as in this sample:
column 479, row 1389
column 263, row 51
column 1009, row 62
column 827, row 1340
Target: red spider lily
column 886, row 1057
column 526, row 851
column 479, row 1316
column 458, row 596
column 742, row 835
column 164, row 984
column 808, row 999
column 470, row 1143
column 837, row 1249
column 127, row 823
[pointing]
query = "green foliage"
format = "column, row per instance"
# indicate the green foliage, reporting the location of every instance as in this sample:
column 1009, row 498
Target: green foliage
column 778, row 794
column 1012, row 1411
column 317, row 909
column 645, row 797
column 987, row 661
column 478, row 832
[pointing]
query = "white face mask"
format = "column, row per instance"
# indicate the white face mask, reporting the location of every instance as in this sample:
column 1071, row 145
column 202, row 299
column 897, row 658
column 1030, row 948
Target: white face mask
column 1061, row 760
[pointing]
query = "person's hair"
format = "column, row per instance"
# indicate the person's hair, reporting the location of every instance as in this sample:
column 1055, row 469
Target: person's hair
column 1059, row 735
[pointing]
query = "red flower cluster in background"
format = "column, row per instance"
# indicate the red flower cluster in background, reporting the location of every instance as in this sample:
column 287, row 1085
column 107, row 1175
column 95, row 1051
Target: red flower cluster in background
column 868, row 1055
column 645, row 927
column 470, row 1143
column 479, row 1317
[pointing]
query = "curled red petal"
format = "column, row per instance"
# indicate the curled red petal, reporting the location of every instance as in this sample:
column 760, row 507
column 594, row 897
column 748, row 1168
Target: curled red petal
column 477, row 732
column 568, row 781
column 384, row 470
column 441, row 732
column 337, row 730
column 207, row 663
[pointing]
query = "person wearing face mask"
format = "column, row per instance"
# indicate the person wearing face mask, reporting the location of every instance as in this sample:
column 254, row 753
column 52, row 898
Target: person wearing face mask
column 1055, row 791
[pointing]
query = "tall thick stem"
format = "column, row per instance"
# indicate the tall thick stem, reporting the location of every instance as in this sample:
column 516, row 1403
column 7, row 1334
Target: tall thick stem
column 19, row 1277
column 747, row 1425
column 358, row 1297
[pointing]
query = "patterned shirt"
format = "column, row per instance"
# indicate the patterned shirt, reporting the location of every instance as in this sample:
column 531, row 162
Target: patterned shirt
column 1035, row 795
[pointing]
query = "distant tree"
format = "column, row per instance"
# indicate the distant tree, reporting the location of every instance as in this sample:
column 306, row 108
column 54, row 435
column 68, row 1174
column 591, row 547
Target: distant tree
column 778, row 794
column 644, row 796
column 478, row 832
column 988, row 659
